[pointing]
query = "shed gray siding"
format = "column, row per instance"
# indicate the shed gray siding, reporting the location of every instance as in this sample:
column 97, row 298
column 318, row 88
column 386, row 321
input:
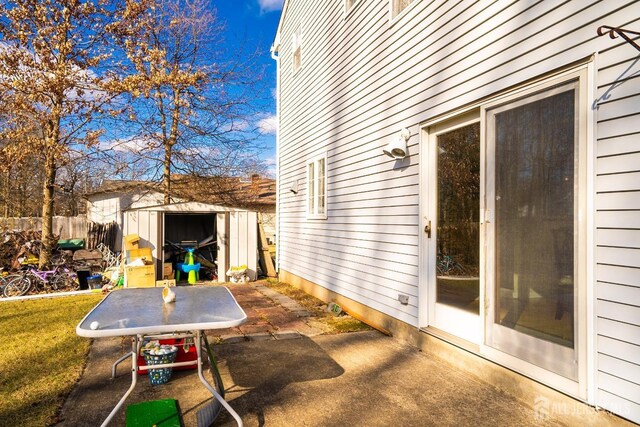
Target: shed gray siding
column 236, row 230
column 363, row 77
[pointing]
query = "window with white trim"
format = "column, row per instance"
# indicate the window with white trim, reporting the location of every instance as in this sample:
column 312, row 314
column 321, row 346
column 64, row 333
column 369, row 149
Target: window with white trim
column 296, row 43
column 399, row 5
column 317, row 188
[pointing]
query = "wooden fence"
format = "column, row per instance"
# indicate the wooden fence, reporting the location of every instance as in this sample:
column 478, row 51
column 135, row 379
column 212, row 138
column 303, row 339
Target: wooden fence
column 75, row 227
column 67, row 227
column 101, row 233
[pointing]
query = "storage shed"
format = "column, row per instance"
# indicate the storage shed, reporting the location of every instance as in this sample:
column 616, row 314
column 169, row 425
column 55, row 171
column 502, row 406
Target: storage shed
column 234, row 229
column 109, row 202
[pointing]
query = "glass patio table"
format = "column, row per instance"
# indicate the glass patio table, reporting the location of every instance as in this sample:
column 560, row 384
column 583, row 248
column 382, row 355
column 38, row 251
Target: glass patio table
column 141, row 313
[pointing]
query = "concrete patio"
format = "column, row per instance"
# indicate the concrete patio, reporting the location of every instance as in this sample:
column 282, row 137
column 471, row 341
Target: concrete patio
column 280, row 371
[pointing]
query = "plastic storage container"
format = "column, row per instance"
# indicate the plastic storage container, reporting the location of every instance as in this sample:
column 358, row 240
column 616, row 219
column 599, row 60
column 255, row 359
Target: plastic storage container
column 95, row 281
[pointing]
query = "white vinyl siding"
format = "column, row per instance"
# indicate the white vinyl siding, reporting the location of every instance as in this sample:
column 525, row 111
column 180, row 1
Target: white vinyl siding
column 364, row 79
column 296, row 43
column 618, row 229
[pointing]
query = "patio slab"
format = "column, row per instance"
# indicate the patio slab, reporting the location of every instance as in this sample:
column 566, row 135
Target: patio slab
column 363, row 378
column 359, row 379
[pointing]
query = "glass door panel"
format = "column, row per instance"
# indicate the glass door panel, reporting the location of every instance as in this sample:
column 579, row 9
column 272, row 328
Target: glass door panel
column 458, row 220
column 534, row 142
column 453, row 254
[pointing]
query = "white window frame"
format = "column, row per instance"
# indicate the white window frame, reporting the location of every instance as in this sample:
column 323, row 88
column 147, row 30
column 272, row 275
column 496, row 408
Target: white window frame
column 296, row 49
column 392, row 7
column 349, row 5
column 313, row 185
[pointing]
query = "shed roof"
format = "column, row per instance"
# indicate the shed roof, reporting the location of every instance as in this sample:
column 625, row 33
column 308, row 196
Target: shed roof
column 188, row 207
column 123, row 186
column 256, row 193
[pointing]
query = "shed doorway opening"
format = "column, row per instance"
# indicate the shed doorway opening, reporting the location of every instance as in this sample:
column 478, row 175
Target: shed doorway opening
column 184, row 231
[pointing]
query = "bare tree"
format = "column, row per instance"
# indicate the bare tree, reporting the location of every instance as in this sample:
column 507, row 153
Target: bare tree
column 192, row 101
column 76, row 178
column 21, row 185
column 51, row 54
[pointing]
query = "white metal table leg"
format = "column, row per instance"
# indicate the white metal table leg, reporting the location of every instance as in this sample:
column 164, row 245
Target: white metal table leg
column 134, row 380
column 213, row 391
column 116, row 363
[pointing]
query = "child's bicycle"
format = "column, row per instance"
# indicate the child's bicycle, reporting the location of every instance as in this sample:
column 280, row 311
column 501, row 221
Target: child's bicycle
column 57, row 279
column 3, row 281
column 6, row 277
column 447, row 266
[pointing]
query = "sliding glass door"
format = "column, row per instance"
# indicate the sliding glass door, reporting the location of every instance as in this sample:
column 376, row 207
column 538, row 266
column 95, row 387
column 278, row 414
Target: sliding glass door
column 505, row 191
column 533, row 200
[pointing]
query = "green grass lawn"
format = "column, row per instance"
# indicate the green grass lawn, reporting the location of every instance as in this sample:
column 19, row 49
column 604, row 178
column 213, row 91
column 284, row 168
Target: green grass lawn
column 41, row 357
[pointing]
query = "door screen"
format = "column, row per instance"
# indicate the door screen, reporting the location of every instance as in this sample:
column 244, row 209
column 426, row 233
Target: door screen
column 535, row 171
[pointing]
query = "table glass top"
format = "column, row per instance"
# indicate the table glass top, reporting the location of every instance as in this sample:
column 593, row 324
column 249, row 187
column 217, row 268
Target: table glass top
column 142, row 311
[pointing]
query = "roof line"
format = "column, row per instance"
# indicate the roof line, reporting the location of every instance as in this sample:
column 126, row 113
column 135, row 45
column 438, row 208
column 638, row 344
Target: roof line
column 276, row 40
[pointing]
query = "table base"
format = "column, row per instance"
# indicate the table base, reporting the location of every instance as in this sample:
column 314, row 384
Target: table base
column 136, row 343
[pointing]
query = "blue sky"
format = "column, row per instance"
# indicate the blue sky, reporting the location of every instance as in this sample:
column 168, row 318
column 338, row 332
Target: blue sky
column 253, row 23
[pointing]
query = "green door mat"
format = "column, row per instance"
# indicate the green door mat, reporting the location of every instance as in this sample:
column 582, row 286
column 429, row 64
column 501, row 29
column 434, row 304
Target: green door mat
column 158, row 413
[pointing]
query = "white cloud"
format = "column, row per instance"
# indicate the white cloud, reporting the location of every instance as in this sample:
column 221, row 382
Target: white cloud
column 128, row 145
column 268, row 125
column 270, row 164
column 270, row 5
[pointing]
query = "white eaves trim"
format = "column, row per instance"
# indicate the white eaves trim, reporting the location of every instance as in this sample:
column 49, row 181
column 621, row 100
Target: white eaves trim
column 276, row 41
column 188, row 207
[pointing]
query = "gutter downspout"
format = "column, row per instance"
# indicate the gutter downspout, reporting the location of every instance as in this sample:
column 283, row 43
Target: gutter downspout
column 276, row 57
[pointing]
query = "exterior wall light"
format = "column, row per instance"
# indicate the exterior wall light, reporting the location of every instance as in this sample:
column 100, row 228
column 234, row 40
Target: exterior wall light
column 294, row 187
column 397, row 148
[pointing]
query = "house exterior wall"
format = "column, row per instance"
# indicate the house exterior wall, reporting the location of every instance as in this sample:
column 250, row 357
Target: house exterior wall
column 617, row 220
column 364, row 76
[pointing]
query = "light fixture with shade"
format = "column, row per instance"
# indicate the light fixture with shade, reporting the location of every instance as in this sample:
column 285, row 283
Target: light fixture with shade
column 397, row 148
column 294, row 187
